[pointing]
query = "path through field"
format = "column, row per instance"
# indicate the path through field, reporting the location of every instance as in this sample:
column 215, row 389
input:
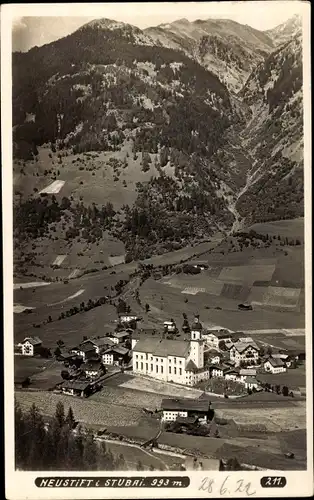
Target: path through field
column 77, row 294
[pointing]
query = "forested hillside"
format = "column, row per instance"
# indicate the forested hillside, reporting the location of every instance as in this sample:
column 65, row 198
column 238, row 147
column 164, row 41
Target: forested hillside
column 150, row 144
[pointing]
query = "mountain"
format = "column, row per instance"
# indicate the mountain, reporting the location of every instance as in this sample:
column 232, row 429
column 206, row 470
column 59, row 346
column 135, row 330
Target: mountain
column 285, row 31
column 227, row 48
column 108, row 88
column 274, row 94
column 152, row 149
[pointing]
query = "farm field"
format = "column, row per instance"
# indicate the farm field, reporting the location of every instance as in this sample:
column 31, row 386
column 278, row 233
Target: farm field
column 163, row 389
column 25, row 366
column 291, row 378
column 276, row 419
column 168, row 302
column 86, row 411
column 291, row 228
column 133, row 454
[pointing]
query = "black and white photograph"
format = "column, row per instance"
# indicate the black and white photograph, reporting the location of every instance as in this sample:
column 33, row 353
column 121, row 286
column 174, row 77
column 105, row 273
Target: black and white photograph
column 159, row 184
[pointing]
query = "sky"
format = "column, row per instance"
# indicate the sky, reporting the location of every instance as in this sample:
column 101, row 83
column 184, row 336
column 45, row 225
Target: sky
column 37, row 26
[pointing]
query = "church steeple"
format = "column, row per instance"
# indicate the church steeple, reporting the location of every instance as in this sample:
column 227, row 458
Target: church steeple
column 197, row 343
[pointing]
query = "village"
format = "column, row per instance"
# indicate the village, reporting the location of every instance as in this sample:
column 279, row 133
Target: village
column 219, row 362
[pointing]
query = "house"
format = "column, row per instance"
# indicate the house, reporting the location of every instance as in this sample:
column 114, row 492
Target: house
column 77, row 388
column 193, row 463
column 274, row 365
column 213, row 337
column 232, row 374
column 218, row 371
column 286, row 358
column 30, row 346
column 170, row 326
column 251, row 383
column 246, row 372
column 186, row 408
column 116, row 355
column 180, row 361
column 213, row 356
column 99, row 343
column 93, row 369
column 244, row 351
column 128, row 319
column 118, row 337
column 85, row 350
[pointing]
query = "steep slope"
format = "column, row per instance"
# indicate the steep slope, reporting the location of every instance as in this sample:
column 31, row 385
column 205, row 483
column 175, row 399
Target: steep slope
column 228, row 49
column 108, row 88
column 274, row 137
column 286, row 31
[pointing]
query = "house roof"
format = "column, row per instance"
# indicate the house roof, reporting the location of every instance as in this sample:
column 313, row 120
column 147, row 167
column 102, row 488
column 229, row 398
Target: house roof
column 32, row 340
column 223, row 368
column 280, row 356
column 220, row 334
column 233, row 370
column 251, row 380
column 117, row 349
column 119, row 335
column 163, row 347
column 247, row 371
column 212, row 352
column 87, row 348
column 75, row 384
column 185, row 404
column 275, row 362
column 243, row 346
column 101, row 341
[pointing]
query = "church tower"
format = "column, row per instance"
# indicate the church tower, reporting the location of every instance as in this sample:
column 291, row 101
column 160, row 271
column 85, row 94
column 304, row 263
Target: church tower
column 197, row 343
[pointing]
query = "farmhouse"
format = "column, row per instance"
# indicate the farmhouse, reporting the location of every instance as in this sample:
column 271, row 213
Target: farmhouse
column 30, row 346
column 116, row 355
column 85, row 350
column 246, row 372
column 178, row 361
column 118, row 337
column 186, row 408
column 218, row 370
column 274, row 365
column 214, row 337
column 93, row 369
column 128, row 319
column 244, row 351
column 251, row 383
column 232, row 374
column 170, row 326
column 213, row 356
column 99, row 343
column 285, row 358
column 76, row 388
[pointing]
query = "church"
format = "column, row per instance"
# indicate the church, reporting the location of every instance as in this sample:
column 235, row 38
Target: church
column 179, row 361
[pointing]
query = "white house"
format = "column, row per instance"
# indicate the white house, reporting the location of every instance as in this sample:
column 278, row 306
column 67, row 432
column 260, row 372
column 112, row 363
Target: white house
column 172, row 409
column 246, row 372
column 118, row 337
column 251, row 383
column 93, row 369
column 170, row 326
column 284, row 357
column 116, row 355
column 219, row 371
column 243, row 351
column 213, row 337
column 30, row 346
column 232, row 374
column 179, row 361
column 127, row 318
column 213, row 356
column 274, row 365
column 99, row 343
